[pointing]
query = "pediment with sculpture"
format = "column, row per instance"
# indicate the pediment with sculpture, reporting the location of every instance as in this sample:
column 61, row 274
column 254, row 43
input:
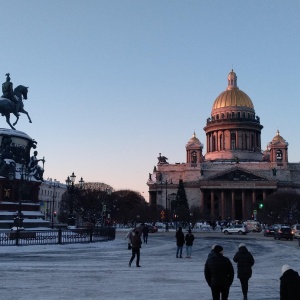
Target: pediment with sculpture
column 237, row 174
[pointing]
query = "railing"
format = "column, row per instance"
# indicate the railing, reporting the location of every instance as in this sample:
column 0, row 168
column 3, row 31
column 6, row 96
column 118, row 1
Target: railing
column 59, row 236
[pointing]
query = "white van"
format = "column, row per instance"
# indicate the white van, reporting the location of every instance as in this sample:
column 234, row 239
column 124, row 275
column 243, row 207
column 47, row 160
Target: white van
column 253, row 225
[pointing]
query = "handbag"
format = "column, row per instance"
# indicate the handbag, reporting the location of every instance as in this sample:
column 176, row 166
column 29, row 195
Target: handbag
column 129, row 247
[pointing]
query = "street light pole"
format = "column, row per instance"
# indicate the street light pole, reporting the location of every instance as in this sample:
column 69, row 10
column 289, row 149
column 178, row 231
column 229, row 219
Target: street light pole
column 70, row 182
column 166, row 182
column 53, row 184
column 24, row 175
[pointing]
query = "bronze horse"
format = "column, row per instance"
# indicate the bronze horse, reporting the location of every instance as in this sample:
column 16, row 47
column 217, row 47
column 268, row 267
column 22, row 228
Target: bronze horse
column 7, row 106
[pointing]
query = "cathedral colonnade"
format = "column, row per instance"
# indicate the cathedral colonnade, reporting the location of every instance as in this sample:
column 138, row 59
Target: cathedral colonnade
column 231, row 203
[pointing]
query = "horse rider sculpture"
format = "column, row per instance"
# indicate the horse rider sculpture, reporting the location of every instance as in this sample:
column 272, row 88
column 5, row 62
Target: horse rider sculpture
column 8, row 93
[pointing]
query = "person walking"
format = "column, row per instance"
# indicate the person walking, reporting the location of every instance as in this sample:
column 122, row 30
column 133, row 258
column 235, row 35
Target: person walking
column 145, row 233
column 245, row 261
column 289, row 284
column 212, row 251
column 179, row 242
column 219, row 274
column 128, row 237
column 189, row 239
column 136, row 243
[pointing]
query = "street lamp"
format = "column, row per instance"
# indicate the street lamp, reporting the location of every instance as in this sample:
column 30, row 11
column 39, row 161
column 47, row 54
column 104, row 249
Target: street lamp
column 70, row 181
column 53, row 184
column 166, row 182
column 24, row 176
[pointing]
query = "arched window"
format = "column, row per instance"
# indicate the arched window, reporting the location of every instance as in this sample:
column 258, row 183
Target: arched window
column 221, row 142
column 214, row 143
column 194, row 157
column 232, row 141
column 279, row 155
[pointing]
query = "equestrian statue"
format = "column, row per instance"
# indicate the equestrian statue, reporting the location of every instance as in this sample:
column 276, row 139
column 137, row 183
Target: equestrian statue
column 12, row 101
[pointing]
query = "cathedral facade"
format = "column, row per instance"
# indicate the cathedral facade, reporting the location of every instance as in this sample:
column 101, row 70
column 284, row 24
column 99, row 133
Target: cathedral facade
column 235, row 174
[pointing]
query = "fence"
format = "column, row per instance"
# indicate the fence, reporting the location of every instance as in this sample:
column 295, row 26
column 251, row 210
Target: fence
column 59, row 236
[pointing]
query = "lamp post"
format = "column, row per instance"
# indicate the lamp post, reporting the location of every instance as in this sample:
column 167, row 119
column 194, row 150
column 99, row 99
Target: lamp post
column 53, row 184
column 24, row 176
column 70, row 182
column 166, row 182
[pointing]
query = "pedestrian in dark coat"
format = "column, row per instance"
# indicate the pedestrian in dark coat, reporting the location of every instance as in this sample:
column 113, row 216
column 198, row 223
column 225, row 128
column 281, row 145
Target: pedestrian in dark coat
column 179, row 242
column 245, row 261
column 189, row 240
column 212, row 252
column 289, row 284
column 145, row 233
column 219, row 274
column 136, row 243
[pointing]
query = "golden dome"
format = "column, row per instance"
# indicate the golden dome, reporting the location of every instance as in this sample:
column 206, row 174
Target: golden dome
column 278, row 138
column 233, row 96
column 193, row 141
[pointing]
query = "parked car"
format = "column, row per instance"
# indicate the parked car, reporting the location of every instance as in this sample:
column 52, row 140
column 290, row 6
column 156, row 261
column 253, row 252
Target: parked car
column 283, row 231
column 237, row 228
column 269, row 230
column 296, row 230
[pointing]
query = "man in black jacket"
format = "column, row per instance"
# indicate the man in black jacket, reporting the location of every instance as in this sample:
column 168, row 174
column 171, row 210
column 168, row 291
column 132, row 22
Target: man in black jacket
column 289, row 284
column 219, row 274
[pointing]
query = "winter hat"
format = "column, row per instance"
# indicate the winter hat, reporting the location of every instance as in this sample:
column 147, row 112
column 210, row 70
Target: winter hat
column 285, row 268
column 242, row 245
column 218, row 249
column 213, row 246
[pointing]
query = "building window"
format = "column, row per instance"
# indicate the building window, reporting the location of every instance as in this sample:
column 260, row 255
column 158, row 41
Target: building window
column 279, row 155
column 194, row 157
column 221, row 142
column 214, row 143
column 233, row 141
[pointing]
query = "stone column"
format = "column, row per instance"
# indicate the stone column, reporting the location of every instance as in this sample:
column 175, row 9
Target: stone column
column 253, row 197
column 201, row 201
column 243, row 205
column 232, row 205
column 222, row 205
column 212, row 203
column 264, row 195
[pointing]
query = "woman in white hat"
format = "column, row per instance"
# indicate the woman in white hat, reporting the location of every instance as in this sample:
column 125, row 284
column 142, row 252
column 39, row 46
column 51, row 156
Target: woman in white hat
column 289, row 284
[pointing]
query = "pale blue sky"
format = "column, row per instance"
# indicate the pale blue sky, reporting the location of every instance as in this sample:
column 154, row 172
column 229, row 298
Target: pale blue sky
column 113, row 83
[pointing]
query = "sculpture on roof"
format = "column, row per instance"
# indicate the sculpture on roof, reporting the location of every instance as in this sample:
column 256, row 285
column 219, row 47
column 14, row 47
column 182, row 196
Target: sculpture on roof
column 162, row 159
column 12, row 101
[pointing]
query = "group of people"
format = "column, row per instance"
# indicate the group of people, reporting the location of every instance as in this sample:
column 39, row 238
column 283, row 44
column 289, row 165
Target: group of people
column 188, row 240
column 218, row 269
column 219, row 274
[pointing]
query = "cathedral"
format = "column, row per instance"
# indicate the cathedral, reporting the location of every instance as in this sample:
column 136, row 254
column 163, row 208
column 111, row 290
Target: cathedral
column 235, row 174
